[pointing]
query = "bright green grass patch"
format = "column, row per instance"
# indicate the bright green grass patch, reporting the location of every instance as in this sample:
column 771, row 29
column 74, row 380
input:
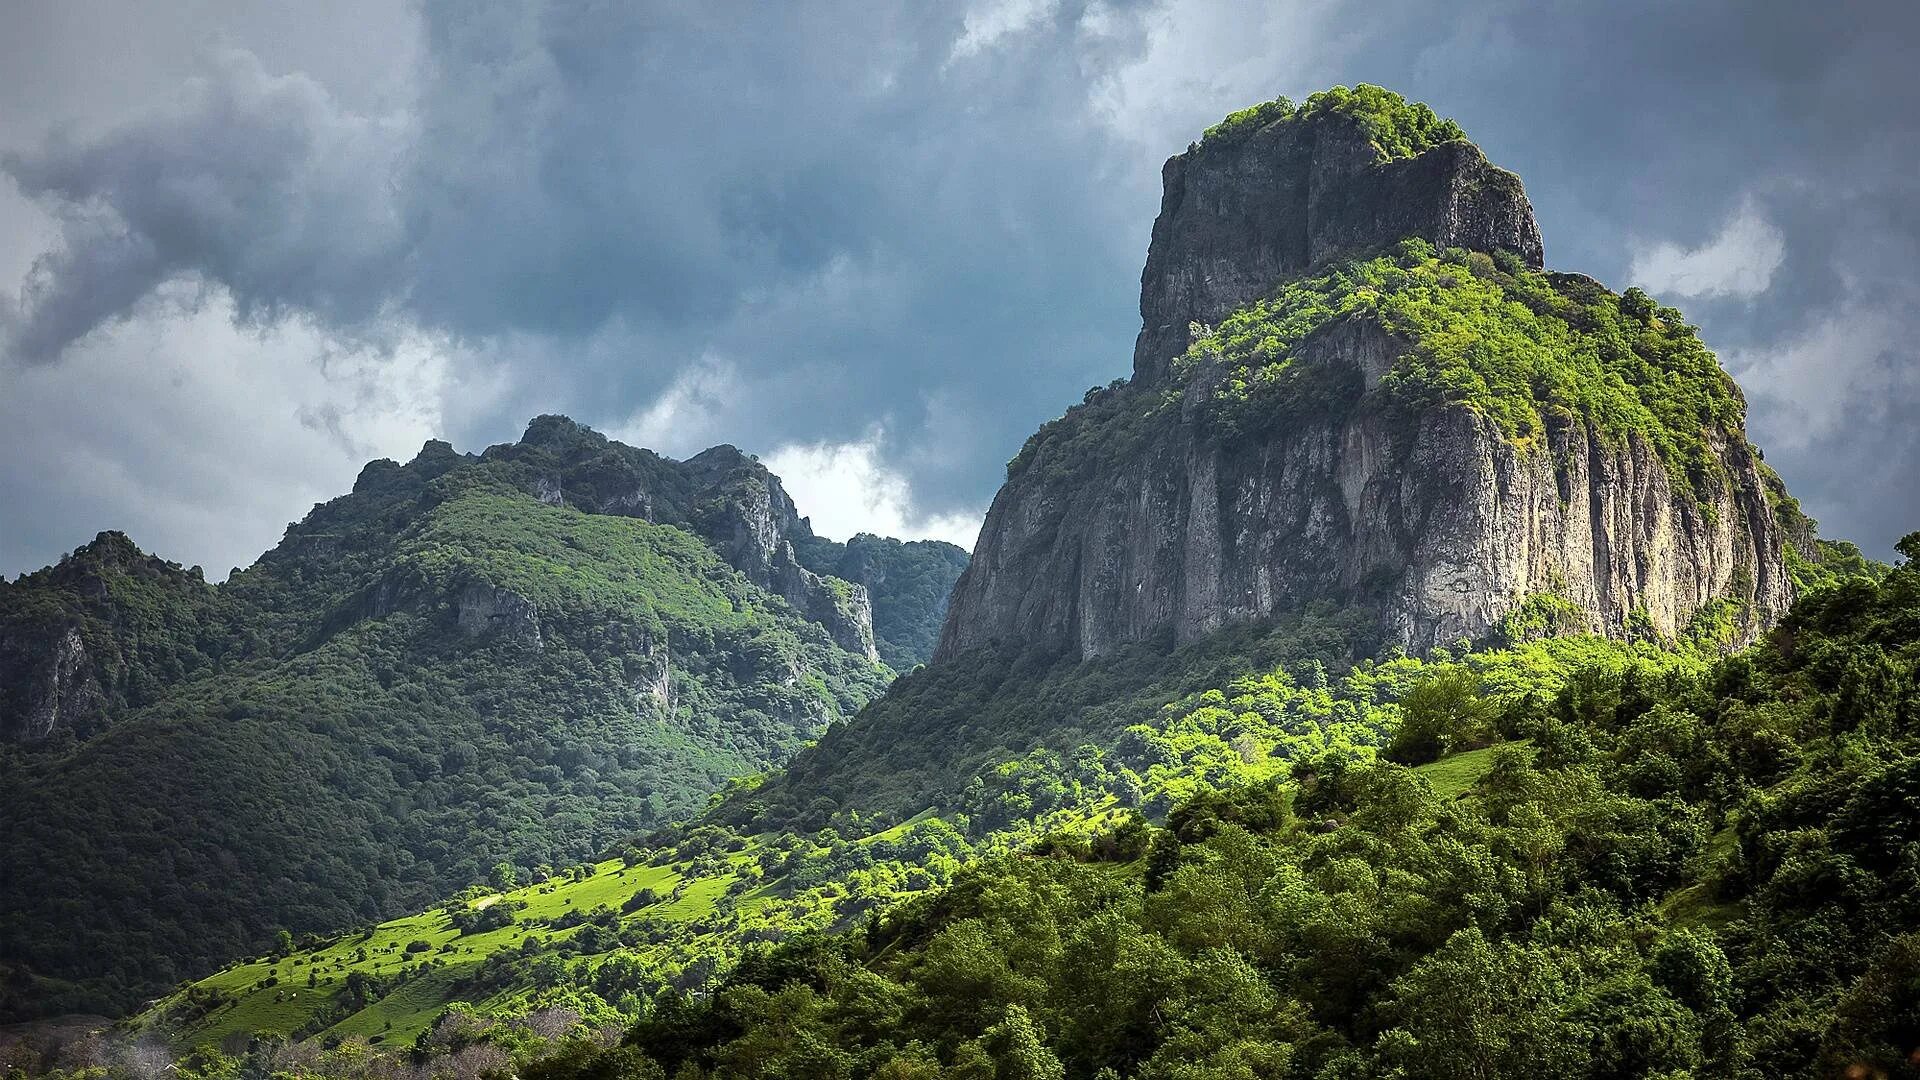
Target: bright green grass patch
column 1520, row 347
column 290, row 1005
column 1513, row 344
column 1456, row 774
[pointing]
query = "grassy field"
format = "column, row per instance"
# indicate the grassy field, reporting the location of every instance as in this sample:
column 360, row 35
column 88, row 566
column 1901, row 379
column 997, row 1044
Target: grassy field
column 1455, row 774
column 284, row 995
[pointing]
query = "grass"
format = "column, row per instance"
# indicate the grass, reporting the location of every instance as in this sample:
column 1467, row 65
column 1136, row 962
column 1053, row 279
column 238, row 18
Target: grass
column 290, row 1004
column 1694, row 906
column 1456, row 774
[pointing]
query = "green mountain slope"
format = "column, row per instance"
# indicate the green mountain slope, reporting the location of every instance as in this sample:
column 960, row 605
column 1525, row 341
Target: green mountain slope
column 1257, row 843
column 438, row 673
column 689, row 903
column 998, row 752
column 1688, row 872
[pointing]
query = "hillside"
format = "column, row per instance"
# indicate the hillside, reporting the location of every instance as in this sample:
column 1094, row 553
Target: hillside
column 468, row 661
column 1651, row 832
column 1688, row 872
column 684, row 905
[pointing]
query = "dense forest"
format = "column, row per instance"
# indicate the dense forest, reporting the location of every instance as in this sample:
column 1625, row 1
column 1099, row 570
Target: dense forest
column 435, row 674
column 1661, row 872
column 1618, row 859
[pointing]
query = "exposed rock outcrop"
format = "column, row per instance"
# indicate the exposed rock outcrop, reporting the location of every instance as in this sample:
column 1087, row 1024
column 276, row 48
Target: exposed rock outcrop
column 1437, row 521
column 1237, row 216
column 488, row 609
column 1444, row 529
column 57, row 687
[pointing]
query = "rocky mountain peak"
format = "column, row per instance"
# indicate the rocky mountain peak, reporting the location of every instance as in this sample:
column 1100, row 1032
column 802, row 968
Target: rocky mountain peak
column 1354, row 385
column 1277, row 191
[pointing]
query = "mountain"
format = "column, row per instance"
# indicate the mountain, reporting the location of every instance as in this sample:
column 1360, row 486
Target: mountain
column 1119, row 823
column 519, row 657
column 1354, row 384
column 908, row 580
column 107, row 630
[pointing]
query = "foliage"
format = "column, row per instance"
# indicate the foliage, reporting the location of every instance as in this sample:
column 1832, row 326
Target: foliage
column 140, row 624
column 1525, row 349
column 1542, row 614
column 370, row 739
column 1397, row 128
column 675, row 916
column 1687, row 871
column 907, row 581
column 1519, row 347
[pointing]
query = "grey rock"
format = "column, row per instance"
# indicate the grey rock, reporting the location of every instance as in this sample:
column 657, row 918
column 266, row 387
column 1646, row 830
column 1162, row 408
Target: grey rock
column 1440, row 526
column 1238, row 217
column 62, row 692
column 488, row 609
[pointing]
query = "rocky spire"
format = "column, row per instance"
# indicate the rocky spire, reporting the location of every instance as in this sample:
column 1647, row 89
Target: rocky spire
column 1142, row 515
column 1245, row 210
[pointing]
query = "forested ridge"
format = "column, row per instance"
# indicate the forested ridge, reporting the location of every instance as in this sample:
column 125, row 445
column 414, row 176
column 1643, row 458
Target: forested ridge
column 435, row 674
column 1659, row 870
column 1618, row 859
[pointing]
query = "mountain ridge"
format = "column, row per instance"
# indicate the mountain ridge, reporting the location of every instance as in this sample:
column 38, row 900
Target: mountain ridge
column 515, row 657
column 1275, row 840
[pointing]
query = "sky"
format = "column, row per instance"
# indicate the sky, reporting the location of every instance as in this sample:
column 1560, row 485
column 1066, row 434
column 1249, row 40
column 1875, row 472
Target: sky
column 247, row 246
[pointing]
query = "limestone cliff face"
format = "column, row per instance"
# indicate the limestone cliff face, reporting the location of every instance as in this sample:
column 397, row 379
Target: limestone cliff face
column 1437, row 521
column 1444, row 529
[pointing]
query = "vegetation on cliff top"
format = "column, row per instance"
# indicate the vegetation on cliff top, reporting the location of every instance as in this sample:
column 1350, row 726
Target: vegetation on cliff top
column 1515, row 345
column 1397, row 127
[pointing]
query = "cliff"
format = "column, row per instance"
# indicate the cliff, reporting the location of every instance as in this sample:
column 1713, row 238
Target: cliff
column 1397, row 409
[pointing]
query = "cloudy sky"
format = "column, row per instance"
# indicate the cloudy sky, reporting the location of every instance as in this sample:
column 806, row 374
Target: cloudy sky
column 247, row 246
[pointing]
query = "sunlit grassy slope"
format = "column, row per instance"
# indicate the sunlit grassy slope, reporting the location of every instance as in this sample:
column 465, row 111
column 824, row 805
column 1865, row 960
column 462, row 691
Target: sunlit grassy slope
column 287, row 994
column 584, row 941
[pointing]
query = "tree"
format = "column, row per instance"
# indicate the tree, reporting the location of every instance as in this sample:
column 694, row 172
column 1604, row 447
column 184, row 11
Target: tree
column 1909, row 547
column 1442, row 713
column 504, row 875
column 1018, row 1049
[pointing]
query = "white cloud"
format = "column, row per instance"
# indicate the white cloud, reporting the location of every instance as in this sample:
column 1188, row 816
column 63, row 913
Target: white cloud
column 690, row 415
column 844, row 488
column 1203, row 59
column 1842, row 373
column 1738, row 261
column 988, row 23
column 202, row 439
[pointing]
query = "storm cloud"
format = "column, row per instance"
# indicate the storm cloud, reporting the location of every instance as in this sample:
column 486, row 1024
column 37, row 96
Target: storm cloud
column 891, row 236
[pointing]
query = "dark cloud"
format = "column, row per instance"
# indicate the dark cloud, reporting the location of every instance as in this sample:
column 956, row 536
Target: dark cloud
column 792, row 225
column 255, row 182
